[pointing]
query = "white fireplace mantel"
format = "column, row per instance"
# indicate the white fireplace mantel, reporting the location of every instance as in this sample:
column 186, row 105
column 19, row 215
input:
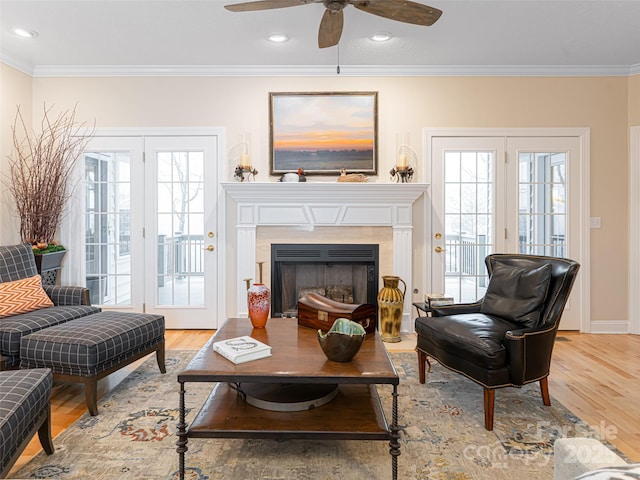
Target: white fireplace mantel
column 312, row 204
column 332, row 192
column 324, row 204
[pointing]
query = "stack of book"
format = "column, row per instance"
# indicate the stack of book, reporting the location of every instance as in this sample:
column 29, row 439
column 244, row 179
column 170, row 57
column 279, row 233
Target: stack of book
column 242, row 349
column 437, row 299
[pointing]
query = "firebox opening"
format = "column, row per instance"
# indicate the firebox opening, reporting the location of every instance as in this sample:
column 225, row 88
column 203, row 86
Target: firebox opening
column 346, row 273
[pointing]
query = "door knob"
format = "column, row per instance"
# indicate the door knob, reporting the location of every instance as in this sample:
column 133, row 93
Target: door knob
column 439, row 249
column 210, row 248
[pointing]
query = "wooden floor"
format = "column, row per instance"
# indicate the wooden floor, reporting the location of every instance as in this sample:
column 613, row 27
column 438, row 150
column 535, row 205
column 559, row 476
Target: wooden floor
column 594, row 376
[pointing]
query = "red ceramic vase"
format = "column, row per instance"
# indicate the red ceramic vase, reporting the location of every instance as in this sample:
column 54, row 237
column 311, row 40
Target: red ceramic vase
column 259, row 303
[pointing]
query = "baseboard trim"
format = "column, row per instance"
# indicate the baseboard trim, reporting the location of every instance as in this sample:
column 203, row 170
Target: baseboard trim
column 610, row 326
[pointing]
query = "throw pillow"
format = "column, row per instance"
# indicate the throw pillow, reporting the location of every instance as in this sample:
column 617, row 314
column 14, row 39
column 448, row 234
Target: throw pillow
column 517, row 293
column 23, row 296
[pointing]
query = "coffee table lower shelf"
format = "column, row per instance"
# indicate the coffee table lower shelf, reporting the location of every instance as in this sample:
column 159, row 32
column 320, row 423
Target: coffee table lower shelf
column 354, row 414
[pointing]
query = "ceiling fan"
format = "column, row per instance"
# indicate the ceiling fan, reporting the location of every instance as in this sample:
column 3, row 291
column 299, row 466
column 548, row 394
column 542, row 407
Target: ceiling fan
column 333, row 18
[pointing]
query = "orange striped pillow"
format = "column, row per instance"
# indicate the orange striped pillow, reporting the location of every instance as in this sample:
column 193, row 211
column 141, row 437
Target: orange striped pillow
column 23, row 296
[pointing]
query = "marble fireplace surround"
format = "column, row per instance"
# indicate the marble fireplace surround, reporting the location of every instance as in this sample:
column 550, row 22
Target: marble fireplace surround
column 312, row 204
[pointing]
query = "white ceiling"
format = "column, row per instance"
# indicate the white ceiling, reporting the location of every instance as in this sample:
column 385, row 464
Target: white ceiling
column 91, row 37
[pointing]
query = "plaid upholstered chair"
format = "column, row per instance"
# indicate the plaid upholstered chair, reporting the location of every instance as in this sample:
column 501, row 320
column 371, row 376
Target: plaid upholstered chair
column 24, row 410
column 506, row 338
column 26, row 306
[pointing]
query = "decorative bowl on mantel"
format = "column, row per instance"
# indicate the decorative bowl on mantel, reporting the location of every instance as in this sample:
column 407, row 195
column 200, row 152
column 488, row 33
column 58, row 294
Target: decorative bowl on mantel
column 342, row 341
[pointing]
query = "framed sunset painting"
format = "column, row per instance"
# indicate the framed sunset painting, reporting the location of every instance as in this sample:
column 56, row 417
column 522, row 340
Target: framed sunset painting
column 323, row 133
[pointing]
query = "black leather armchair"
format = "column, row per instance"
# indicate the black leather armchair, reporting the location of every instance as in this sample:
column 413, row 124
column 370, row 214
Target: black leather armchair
column 506, row 338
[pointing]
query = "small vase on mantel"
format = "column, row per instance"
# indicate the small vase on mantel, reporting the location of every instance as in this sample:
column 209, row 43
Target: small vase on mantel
column 390, row 308
column 259, row 303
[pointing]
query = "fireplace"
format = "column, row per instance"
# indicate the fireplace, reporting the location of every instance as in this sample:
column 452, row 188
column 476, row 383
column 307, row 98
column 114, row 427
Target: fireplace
column 309, row 206
column 347, row 273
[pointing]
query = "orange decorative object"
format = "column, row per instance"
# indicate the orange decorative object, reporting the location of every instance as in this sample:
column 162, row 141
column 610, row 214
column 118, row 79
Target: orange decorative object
column 259, row 303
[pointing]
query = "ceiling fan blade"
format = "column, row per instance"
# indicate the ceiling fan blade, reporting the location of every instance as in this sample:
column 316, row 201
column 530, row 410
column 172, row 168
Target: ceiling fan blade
column 330, row 28
column 265, row 5
column 400, row 10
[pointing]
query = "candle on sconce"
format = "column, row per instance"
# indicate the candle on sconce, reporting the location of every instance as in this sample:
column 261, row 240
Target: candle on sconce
column 402, row 144
column 402, row 161
column 243, row 171
column 244, row 139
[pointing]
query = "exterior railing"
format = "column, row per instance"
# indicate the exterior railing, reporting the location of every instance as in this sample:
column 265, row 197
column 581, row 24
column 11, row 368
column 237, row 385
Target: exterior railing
column 465, row 255
column 180, row 255
column 556, row 248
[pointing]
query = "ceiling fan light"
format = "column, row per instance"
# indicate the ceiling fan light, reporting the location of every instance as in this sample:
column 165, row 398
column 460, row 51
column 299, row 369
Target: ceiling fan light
column 24, row 33
column 278, row 37
column 380, row 37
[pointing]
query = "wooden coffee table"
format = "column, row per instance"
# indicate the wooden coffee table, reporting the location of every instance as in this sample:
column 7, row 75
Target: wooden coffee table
column 355, row 413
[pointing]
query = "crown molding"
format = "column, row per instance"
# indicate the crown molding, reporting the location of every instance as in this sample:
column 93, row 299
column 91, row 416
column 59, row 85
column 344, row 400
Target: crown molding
column 12, row 62
column 328, row 70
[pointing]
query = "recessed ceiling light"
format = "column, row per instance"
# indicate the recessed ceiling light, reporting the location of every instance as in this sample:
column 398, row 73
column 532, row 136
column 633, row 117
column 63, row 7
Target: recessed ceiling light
column 380, row 37
column 23, row 32
column 278, row 37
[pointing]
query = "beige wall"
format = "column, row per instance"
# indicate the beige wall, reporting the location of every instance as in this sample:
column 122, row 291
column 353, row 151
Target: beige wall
column 15, row 89
column 405, row 104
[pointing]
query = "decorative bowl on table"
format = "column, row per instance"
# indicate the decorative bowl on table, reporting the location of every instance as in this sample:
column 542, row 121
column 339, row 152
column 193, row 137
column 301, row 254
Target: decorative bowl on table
column 342, row 341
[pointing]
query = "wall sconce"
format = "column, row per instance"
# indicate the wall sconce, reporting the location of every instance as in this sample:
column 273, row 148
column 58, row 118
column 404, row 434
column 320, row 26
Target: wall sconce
column 403, row 171
column 244, row 170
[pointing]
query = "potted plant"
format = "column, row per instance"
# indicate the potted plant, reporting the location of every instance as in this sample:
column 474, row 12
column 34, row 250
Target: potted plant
column 40, row 173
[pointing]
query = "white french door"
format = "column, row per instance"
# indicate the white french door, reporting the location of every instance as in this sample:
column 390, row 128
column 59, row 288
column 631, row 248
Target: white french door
column 150, row 223
column 113, row 247
column 493, row 194
column 467, row 213
column 180, row 232
column 548, row 216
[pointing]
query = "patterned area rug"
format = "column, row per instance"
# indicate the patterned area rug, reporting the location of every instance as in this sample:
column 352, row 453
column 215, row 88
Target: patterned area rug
column 442, row 435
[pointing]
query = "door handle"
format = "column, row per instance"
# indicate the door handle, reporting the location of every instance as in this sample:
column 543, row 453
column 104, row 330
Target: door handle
column 209, row 248
column 439, row 249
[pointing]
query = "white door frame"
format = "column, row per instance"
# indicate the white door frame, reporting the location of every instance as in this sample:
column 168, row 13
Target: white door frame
column 69, row 235
column 634, row 230
column 583, row 173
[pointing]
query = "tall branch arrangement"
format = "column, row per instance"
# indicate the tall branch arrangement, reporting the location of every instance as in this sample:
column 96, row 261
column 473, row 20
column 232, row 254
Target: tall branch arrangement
column 40, row 172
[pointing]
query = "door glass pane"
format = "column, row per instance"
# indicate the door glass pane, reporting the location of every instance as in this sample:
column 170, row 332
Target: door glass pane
column 468, row 222
column 180, row 219
column 108, row 227
column 542, row 203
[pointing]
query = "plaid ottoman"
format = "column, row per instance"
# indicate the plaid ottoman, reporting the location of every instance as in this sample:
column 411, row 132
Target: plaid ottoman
column 90, row 348
column 24, row 410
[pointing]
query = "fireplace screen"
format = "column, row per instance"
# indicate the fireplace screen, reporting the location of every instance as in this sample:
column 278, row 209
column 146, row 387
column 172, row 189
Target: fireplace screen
column 345, row 273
